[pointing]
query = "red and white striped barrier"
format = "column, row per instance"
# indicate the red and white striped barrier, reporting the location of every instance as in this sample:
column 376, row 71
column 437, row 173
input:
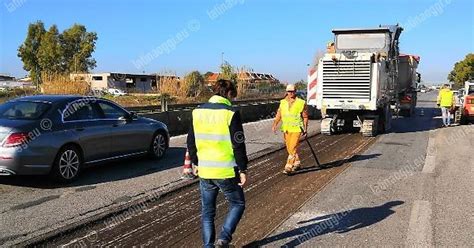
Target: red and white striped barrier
column 312, row 86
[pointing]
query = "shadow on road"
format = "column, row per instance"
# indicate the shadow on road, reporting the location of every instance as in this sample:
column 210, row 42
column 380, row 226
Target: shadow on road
column 423, row 120
column 335, row 163
column 341, row 222
column 106, row 172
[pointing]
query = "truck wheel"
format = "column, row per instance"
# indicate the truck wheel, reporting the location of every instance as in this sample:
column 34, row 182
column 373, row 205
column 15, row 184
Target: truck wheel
column 385, row 120
column 369, row 128
column 326, row 126
column 458, row 118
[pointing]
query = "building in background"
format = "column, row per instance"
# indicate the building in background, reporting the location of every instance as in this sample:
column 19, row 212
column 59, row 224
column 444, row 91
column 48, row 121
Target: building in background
column 132, row 83
column 9, row 82
column 112, row 80
column 4, row 77
column 212, row 78
column 164, row 79
column 257, row 78
column 252, row 78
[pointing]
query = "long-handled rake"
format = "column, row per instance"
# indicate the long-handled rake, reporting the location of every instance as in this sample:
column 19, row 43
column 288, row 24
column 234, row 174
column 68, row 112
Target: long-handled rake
column 311, row 148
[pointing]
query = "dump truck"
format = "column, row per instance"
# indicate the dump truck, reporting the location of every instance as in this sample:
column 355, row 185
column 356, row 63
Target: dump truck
column 356, row 83
column 408, row 81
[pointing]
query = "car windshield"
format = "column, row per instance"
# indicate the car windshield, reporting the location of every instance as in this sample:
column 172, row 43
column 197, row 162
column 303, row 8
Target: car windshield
column 470, row 90
column 361, row 41
column 23, row 110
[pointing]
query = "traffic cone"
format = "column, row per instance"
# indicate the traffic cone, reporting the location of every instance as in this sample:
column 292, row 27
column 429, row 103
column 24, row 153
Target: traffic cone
column 187, row 167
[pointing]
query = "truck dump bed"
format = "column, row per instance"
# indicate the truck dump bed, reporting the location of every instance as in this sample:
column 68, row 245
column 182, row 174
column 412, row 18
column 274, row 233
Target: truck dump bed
column 407, row 72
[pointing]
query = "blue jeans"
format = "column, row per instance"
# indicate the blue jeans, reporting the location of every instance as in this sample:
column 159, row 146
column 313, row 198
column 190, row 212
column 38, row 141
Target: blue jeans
column 446, row 115
column 234, row 195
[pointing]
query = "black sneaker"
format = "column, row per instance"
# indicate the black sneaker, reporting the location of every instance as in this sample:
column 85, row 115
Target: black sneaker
column 188, row 176
column 222, row 243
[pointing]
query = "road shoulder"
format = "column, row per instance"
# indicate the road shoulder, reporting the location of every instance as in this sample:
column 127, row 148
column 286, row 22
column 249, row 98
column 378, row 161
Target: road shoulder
column 380, row 202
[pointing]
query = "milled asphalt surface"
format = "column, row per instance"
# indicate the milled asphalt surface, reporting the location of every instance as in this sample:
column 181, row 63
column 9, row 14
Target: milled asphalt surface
column 271, row 196
column 33, row 206
column 416, row 191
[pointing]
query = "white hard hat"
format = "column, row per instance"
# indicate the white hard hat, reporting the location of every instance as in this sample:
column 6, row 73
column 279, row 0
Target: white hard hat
column 290, row 87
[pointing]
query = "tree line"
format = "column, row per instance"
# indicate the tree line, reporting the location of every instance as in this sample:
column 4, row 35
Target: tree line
column 48, row 53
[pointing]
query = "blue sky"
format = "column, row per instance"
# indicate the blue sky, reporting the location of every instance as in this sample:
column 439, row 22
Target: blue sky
column 278, row 36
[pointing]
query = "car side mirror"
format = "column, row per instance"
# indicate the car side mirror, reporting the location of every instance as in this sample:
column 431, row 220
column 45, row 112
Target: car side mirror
column 133, row 116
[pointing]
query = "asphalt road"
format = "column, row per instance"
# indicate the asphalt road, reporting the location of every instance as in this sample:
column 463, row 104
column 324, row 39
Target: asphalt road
column 416, row 193
column 382, row 197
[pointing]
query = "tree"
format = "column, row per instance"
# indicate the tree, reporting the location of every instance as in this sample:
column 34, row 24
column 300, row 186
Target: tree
column 227, row 72
column 194, row 83
column 300, row 85
column 78, row 46
column 54, row 52
column 50, row 52
column 28, row 51
column 462, row 71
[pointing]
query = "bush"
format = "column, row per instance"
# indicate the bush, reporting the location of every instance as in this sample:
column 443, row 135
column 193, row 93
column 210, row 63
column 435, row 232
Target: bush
column 14, row 93
column 58, row 84
column 193, row 84
column 170, row 86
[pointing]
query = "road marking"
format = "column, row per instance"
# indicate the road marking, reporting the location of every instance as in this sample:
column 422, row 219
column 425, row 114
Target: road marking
column 420, row 232
column 430, row 158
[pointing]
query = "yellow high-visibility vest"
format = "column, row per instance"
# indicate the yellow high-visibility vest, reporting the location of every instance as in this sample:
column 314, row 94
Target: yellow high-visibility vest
column 445, row 98
column 211, row 124
column 291, row 117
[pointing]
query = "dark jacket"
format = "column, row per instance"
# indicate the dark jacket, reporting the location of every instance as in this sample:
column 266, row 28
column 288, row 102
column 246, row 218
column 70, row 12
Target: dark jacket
column 237, row 136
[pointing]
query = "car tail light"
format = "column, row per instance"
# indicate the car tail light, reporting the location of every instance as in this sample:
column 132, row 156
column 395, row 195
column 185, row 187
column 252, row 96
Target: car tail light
column 406, row 99
column 470, row 100
column 15, row 139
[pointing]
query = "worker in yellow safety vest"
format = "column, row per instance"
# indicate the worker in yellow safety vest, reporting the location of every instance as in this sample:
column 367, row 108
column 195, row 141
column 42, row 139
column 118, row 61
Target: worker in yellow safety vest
column 294, row 117
column 446, row 102
column 216, row 145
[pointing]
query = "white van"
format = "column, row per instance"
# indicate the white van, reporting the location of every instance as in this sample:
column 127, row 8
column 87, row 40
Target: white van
column 116, row 92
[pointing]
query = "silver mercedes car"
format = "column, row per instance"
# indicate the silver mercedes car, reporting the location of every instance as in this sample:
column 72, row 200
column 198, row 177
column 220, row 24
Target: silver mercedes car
column 60, row 134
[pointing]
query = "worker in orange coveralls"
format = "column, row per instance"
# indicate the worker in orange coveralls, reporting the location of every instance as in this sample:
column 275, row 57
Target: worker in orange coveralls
column 294, row 117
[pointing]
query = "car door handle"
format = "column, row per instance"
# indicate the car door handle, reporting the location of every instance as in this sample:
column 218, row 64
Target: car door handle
column 115, row 125
column 80, row 129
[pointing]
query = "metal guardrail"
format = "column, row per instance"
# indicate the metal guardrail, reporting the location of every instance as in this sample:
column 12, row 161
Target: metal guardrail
column 176, row 107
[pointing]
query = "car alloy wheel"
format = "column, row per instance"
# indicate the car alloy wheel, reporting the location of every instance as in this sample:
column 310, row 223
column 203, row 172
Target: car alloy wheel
column 69, row 163
column 159, row 145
